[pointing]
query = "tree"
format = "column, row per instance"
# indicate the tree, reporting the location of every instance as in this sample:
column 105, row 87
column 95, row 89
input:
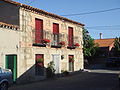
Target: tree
column 89, row 47
column 117, row 47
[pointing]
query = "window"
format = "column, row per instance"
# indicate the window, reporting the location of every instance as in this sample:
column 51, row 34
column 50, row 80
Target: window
column 55, row 34
column 38, row 31
column 39, row 64
column 70, row 36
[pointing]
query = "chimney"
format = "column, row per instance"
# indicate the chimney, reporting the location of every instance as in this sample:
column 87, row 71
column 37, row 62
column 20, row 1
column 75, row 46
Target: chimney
column 100, row 35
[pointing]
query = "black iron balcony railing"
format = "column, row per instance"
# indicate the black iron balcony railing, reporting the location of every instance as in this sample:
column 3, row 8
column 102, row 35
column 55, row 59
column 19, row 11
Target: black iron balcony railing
column 56, row 39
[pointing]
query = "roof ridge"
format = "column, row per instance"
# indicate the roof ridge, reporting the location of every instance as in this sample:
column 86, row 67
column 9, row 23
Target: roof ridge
column 105, row 39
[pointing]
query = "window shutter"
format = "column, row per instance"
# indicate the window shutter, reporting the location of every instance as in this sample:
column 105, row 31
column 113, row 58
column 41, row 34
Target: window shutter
column 38, row 31
column 55, row 34
column 70, row 36
column 55, row 28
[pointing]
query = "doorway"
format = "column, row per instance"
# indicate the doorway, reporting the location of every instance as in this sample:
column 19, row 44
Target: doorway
column 11, row 63
column 39, row 65
column 56, row 60
column 71, row 62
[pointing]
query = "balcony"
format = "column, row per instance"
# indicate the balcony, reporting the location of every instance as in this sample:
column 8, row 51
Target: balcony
column 39, row 44
column 71, row 47
column 56, row 39
column 54, row 44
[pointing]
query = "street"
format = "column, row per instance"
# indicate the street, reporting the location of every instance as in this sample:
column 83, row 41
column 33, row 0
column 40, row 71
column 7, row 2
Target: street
column 97, row 79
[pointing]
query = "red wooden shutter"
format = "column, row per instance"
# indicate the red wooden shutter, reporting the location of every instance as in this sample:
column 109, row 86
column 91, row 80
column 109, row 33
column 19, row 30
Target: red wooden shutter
column 38, row 31
column 55, row 28
column 70, row 36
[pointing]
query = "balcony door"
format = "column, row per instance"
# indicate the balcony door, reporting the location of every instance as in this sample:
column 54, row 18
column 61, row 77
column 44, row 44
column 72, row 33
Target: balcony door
column 70, row 36
column 38, row 31
column 55, row 34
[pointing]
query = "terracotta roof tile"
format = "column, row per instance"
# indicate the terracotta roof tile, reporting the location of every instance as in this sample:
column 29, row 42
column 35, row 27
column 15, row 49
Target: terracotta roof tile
column 42, row 11
column 9, row 25
column 104, row 42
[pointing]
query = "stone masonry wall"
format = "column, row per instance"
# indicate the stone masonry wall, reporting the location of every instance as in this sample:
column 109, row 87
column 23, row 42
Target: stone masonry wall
column 27, row 51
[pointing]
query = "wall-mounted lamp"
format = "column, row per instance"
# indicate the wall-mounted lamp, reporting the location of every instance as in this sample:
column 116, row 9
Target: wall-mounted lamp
column 62, row 57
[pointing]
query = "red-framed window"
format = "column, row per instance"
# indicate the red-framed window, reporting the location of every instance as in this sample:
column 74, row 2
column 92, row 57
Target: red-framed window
column 40, row 59
column 38, row 31
column 70, row 36
column 55, row 34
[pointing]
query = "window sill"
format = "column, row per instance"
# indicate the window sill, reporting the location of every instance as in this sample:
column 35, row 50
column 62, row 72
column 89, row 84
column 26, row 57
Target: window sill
column 39, row 45
column 71, row 47
column 54, row 46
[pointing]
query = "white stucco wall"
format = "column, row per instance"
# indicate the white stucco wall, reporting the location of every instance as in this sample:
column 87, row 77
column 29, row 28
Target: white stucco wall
column 9, row 43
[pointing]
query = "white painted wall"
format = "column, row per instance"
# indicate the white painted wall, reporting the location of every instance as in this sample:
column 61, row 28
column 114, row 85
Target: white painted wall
column 9, row 43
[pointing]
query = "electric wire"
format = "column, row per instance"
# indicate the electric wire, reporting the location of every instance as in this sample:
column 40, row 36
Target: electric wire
column 92, row 12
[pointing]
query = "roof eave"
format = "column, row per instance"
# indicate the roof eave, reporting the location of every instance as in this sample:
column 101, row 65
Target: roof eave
column 42, row 11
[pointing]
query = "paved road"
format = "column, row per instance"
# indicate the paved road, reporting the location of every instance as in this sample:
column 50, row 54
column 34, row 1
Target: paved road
column 81, row 81
column 100, row 77
column 101, row 68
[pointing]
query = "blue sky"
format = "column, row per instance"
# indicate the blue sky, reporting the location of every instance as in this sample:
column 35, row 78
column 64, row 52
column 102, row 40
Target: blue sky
column 110, row 19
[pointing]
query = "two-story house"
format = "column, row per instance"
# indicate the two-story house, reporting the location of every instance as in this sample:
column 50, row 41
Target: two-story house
column 42, row 36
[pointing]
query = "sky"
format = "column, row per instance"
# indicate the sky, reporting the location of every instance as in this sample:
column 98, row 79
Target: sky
column 107, row 23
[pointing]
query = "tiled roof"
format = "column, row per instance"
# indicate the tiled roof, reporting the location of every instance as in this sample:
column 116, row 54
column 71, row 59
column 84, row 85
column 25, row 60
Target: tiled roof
column 104, row 42
column 42, row 11
column 5, row 25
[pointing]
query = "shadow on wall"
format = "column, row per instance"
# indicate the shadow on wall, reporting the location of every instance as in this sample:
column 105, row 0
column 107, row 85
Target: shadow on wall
column 35, row 73
column 30, row 75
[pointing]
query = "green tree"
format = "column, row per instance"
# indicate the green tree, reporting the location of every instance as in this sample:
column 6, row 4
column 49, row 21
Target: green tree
column 89, row 47
column 117, row 47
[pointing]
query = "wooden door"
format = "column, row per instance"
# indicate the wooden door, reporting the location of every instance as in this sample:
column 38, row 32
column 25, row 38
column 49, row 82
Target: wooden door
column 11, row 63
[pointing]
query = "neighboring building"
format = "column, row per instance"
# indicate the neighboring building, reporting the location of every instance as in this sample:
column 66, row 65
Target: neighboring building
column 41, row 36
column 9, row 44
column 106, row 47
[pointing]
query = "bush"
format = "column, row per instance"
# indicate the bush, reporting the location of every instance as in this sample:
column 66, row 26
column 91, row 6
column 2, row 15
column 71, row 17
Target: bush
column 65, row 73
column 50, row 71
